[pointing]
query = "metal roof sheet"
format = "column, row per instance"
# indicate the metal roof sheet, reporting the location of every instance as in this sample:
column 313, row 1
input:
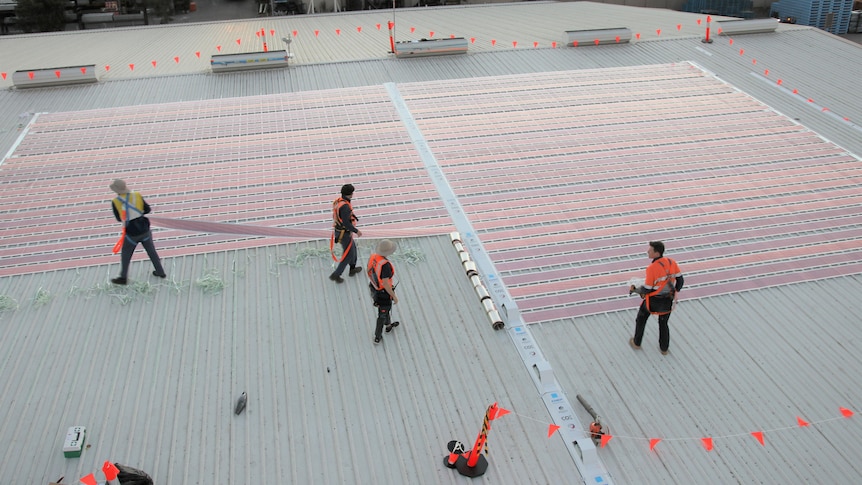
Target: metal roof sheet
column 161, row 362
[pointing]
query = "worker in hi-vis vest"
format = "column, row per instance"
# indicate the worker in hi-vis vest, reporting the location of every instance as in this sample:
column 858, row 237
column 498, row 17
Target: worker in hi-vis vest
column 381, row 274
column 343, row 229
column 662, row 283
column 129, row 208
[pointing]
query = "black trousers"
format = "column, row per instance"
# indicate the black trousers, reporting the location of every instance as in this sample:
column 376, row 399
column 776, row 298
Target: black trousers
column 129, row 246
column 383, row 302
column 347, row 259
column 663, row 330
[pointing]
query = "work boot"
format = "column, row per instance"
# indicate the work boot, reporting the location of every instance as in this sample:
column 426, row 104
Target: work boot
column 632, row 343
column 377, row 340
column 119, row 281
column 391, row 326
column 663, row 352
column 355, row 270
column 160, row 275
column 336, row 278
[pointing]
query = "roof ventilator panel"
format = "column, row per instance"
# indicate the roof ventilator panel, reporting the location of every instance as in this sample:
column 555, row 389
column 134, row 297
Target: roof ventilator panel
column 431, row 47
column 54, row 76
column 248, row 60
column 756, row 26
column 618, row 35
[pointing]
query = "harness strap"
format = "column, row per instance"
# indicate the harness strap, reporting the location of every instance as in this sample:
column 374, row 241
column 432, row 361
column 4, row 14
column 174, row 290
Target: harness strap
column 332, row 246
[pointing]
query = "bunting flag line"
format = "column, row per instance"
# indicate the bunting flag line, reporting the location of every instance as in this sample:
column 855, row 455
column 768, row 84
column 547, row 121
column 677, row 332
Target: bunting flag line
column 359, row 29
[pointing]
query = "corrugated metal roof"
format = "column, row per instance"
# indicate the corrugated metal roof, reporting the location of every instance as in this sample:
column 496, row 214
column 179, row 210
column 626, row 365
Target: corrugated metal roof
column 157, row 366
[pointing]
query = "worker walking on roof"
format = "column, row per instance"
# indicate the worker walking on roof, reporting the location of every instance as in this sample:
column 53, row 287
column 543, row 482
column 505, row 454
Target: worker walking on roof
column 343, row 228
column 381, row 272
column 663, row 281
column 129, row 208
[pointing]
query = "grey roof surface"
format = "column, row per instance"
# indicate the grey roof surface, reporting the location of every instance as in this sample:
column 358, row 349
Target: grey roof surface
column 155, row 367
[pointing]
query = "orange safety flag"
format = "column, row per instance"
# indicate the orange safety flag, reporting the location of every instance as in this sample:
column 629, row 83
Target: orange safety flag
column 119, row 245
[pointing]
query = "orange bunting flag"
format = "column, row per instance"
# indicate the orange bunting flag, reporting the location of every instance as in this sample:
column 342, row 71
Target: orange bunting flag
column 698, row 21
column 605, row 439
column 795, row 91
column 846, row 412
column 198, row 54
column 574, row 43
column 177, row 59
column 802, row 422
column 107, row 68
column 83, row 70
column 359, row 29
column 31, row 74
column 378, row 26
column 154, row 63
column 4, row 75
column 535, row 44
column 779, row 82
column 431, row 34
column 638, row 36
column 218, row 48
column 754, row 61
column 514, row 43
column 653, row 442
column 89, row 480
column 238, row 41
column 766, row 72
column 272, row 32
column 554, row 44
column 707, row 443
column 741, row 51
column 412, row 29
column 316, row 33
column 678, row 27
column 501, row 412
column 131, row 67
column 110, row 470
column 294, row 33
column 472, row 41
column 552, row 429
column 493, row 41
column 730, row 41
column 596, row 41
column 337, row 31
column 57, row 73
column 658, row 32
column 759, row 436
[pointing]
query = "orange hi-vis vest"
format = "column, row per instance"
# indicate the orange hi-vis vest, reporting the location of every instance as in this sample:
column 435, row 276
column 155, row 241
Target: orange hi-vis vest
column 659, row 274
column 375, row 268
column 336, row 208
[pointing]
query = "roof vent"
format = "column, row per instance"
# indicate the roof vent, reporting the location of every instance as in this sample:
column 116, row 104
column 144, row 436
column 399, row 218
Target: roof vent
column 55, row 76
column 755, row 26
column 618, row 35
column 431, row 47
column 248, row 60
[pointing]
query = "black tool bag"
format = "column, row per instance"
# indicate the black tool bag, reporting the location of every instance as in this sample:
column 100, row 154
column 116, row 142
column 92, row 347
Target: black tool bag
column 132, row 476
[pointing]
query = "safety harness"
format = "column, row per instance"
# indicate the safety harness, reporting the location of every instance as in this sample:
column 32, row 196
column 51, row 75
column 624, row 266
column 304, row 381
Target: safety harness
column 375, row 267
column 668, row 279
column 338, row 228
column 137, row 205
